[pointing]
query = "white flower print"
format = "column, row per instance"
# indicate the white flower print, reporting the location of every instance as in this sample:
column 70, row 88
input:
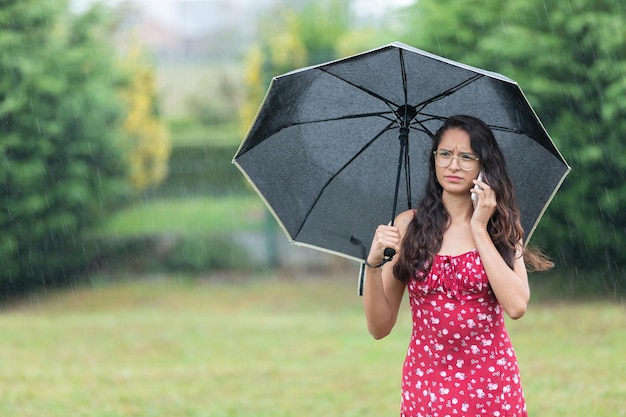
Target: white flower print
column 467, row 366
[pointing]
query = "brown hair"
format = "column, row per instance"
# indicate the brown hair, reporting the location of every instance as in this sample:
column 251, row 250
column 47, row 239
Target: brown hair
column 424, row 234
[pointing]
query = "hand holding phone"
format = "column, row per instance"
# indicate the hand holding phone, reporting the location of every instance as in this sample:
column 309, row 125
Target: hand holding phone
column 474, row 195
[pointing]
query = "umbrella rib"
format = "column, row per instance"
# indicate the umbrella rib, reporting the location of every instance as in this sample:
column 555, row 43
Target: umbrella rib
column 506, row 129
column 430, row 117
column 449, row 91
column 441, row 118
column 348, row 116
column 423, row 128
column 405, row 86
column 389, row 103
column 383, row 115
column 356, row 155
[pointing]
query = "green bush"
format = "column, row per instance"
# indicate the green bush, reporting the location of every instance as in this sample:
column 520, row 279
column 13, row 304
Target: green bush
column 60, row 115
column 201, row 170
column 165, row 253
column 195, row 254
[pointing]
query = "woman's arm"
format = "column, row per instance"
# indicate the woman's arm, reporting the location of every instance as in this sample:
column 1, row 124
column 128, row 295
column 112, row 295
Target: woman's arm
column 510, row 285
column 383, row 293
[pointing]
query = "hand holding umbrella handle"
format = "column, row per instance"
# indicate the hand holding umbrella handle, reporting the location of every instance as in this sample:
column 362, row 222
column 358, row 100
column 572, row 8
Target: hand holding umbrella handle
column 389, row 254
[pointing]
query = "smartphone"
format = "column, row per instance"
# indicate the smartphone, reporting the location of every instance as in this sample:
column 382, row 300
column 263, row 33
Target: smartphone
column 474, row 195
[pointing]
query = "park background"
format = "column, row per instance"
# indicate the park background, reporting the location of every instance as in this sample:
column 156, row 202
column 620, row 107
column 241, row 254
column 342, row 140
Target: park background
column 141, row 276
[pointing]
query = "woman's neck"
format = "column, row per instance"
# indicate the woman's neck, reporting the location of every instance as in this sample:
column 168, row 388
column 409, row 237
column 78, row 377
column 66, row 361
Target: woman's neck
column 459, row 208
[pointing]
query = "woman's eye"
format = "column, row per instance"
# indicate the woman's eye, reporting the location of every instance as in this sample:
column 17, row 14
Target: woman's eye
column 467, row 157
column 445, row 154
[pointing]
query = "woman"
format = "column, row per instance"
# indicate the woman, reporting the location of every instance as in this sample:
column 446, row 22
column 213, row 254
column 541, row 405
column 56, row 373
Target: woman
column 463, row 263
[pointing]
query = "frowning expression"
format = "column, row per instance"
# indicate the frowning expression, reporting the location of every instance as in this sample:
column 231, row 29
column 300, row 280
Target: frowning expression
column 456, row 163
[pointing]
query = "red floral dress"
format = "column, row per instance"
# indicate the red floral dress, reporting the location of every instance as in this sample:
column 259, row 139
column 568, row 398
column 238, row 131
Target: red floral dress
column 460, row 361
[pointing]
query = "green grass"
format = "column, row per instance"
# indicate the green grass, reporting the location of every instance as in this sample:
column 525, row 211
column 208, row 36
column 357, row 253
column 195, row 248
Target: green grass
column 190, row 216
column 268, row 346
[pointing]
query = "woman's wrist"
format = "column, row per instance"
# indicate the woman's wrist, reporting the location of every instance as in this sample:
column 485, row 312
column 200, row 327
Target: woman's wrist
column 481, row 235
column 376, row 264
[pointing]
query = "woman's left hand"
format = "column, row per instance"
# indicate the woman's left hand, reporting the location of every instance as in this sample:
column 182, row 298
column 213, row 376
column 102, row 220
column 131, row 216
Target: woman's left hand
column 485, row 206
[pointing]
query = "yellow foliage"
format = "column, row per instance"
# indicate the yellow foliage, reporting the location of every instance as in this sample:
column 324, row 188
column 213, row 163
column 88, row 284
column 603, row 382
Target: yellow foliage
column 148, row 139
column 285, row 52
column 255, row 86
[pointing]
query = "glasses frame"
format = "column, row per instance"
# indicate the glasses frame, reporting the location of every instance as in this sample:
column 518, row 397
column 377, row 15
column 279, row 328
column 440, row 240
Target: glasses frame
column 473, row 158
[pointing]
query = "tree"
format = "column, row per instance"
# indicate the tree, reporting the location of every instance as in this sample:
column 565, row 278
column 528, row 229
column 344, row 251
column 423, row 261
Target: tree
column 61, row 163
column 569, row 57
column 146, row 144
column 289, row 38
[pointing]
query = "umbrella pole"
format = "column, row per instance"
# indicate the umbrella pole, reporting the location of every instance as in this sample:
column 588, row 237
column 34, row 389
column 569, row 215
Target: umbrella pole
column 404, row 144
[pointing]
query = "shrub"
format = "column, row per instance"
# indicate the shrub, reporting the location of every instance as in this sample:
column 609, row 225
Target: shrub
column 60, row 118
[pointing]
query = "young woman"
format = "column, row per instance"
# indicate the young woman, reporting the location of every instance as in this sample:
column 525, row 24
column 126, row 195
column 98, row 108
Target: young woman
column 463, row 263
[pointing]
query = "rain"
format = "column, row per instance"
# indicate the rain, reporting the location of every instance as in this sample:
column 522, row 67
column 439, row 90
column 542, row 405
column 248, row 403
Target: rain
column 144, row 274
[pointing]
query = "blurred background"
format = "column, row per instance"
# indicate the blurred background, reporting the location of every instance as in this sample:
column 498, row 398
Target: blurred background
column 120, row 119
column 140, row 275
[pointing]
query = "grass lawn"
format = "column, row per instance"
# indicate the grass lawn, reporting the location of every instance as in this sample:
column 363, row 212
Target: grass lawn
column 268, row 346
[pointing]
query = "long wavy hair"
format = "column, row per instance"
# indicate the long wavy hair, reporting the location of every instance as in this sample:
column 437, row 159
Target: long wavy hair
column 424, row 234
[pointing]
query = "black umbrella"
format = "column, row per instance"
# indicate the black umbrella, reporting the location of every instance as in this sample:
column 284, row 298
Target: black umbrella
column 336, row 148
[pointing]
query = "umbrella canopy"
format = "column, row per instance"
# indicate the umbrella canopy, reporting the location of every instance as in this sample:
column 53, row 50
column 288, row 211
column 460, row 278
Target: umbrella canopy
column 333, row 143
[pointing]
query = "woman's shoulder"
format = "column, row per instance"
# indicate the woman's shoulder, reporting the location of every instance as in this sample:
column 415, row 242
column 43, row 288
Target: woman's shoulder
column 403, row 219
column 406, row 215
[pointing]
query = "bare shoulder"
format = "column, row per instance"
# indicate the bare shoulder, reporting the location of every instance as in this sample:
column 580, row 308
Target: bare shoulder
column 403, row 219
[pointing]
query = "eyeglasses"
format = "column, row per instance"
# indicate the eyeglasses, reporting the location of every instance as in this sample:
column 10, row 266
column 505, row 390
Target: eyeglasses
column 466, row 161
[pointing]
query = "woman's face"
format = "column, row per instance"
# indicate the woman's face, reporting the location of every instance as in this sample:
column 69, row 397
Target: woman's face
column 456, row 163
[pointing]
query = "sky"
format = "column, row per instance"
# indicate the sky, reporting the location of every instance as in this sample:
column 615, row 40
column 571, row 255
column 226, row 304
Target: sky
column 196, row 16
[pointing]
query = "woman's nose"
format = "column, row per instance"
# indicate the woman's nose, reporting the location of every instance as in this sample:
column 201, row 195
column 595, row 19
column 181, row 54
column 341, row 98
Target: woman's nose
column 454, row 163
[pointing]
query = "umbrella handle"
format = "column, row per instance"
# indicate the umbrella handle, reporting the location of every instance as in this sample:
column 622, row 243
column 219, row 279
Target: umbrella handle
column 389, row 253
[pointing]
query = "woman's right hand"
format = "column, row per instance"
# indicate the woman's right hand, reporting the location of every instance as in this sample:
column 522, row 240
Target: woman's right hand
column 382, row 295
column 386, row 236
